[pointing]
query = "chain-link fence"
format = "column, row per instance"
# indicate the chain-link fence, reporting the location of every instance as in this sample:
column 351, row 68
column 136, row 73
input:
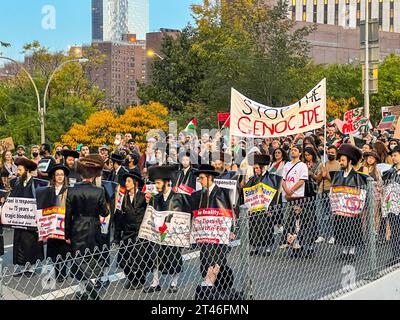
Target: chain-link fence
column 295, row 250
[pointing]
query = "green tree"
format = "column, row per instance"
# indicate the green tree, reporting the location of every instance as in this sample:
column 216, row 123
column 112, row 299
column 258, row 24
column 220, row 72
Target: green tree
column 72, row 97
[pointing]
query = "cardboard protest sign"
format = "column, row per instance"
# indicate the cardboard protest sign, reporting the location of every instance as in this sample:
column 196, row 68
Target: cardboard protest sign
column 121, row 192
column 347, row 201
column 211, row 226
column 391, row 199
column 252, row 119
column 7, row 144
column 51, row 223
column 259, row 197
column 19, row 213
column 166, row 228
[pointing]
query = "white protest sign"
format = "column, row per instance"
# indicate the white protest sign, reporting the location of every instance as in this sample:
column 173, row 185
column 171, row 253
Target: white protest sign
column 211, row 226
column 252, row 119
column 347, row 201
column 51, row 223
column 19, row 212
column 166, row 228
column 231, row 185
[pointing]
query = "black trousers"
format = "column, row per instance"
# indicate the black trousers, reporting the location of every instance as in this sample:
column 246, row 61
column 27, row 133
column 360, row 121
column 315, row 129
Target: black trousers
column 57, row 250
column 212, row 254
column 394, row 222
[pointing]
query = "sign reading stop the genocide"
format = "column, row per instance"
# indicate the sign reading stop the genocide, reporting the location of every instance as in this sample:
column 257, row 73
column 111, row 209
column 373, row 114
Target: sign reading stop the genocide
column 252, row 119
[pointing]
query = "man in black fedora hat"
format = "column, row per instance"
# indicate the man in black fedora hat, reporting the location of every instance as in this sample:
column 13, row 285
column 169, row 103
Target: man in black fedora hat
column 118, row 170
column 70, row 161
column 348, row 229
column 27, row 248
column 167, row 259
column 132, row 256
column 211, row 197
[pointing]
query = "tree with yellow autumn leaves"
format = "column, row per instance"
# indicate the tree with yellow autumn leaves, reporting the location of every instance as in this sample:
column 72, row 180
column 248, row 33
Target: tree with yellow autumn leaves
column 101, row 127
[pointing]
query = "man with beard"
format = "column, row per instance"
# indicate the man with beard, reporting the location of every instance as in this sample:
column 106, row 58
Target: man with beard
column 70, row 163
column 20, row 152
column 118, row 171
column 186, row 180
column 167, row 259
column 26, row 245
column 211, row 197
column 132, row 162
column 85, row 150
column 348, row 229
column 220, row 160
column 46, row 163
column 85, row 203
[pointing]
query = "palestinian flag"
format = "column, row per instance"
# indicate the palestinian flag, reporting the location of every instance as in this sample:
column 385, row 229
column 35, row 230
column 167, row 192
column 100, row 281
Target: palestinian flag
column 387, row 123
column 191, row 125
column 227, row 123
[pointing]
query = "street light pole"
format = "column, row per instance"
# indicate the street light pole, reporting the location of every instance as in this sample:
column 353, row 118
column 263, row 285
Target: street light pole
column 366, row 70
column 34, row 86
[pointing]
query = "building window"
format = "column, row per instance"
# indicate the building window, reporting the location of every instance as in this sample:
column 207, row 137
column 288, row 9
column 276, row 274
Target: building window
column 304, row 17
column 336, row 12
column 315, row 12
column 293, row 10
column 380, row 14
column 391, row 16
column 358, row 13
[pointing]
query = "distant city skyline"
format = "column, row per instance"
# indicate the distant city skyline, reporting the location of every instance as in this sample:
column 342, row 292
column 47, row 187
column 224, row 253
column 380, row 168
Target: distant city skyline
column 58, row 24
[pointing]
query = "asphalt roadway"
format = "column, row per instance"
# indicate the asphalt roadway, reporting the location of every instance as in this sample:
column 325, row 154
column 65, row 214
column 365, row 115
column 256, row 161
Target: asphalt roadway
column 276, row 277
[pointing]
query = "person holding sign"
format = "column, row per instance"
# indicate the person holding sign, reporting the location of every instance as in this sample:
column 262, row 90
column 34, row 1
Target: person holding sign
column 391, row 204
column 85, row 203
column 168, row 259
column 186, row 180
column 27, row 248
column 348, row 200
column 46, row 163
column 132, row 258
column 212, row 220
column 53, row 199
column 261, row 231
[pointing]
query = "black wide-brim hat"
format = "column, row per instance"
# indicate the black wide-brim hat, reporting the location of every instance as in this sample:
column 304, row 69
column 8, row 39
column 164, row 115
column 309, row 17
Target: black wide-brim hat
column 117, row 158
column 135, row 176
column 25, row 162
column 70, row 153
column 53, row 170
column 260, row 159
column 161, row 172
column 90, row 166
column 206, row 169
column 350, row 151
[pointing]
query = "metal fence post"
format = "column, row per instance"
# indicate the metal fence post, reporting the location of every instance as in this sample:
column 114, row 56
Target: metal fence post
column 371, row 228
column 245, row 253
column 1, row 279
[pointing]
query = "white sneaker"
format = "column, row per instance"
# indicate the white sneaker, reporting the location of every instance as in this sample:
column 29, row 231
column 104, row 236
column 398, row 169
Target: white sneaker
column 352, row 250
column 320, row 239
column 284, row 246
column 331, row 240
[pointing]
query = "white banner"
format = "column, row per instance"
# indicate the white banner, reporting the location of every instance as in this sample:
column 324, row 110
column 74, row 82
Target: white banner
column 51, row 223
column 167, row 228
column 252, row 119
column 391, row 199
column 19, row 212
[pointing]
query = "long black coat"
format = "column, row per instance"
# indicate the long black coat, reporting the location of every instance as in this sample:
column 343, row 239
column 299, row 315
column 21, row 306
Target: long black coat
column 168, row 258
column 85, row 203
column 211, row 254
column 348, row 230
column 133, row 254
column 26, row 245
column 188, row 179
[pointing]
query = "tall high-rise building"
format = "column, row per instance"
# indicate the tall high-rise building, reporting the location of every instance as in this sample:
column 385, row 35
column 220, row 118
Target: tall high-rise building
column 111, row 19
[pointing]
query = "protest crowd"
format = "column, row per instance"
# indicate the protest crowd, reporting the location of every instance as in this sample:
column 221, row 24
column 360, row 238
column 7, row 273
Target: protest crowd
column 155, row 202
